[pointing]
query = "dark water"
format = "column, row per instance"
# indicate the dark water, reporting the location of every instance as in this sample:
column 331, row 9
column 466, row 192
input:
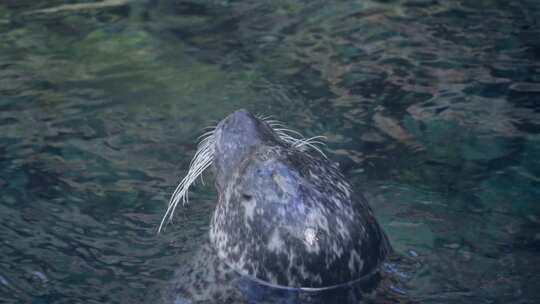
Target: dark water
column 431, row 107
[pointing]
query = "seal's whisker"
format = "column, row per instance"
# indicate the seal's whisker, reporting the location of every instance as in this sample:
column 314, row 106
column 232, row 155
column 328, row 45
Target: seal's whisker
column 287, row 138
column 317, row 142
column 314, row 140
column 198, row 167
column 213, row 125
column 181, row 192
column 310, row 142
column 299, row 143
column 290, row 131
column 203, row 147
column 316, row 149
column 207, row 133
column 316, row 137
column 295, row 138
column 274, row 122
column 263, row 117
column 203, row 158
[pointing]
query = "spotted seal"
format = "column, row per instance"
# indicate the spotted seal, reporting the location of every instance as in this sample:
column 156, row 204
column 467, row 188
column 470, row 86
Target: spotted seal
column 287, row 227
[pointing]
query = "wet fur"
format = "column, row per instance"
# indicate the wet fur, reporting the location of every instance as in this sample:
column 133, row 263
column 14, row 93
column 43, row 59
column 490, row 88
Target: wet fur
column 287, row 228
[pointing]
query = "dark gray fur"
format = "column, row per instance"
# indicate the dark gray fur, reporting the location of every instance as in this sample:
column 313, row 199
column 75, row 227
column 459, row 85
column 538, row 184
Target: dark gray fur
column 284, row 217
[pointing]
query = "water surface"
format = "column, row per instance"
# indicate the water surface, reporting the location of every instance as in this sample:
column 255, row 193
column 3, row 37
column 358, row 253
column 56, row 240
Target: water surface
column 430, row 107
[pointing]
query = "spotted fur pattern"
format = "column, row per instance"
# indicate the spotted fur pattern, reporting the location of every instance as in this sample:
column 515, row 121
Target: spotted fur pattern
column 306, row 223
column 208, row 280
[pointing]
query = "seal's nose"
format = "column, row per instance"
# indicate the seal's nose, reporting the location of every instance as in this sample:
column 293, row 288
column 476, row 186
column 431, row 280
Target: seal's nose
column 240, row 113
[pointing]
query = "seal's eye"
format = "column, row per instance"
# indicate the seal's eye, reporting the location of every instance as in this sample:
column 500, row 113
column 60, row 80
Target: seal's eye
column 246, row 197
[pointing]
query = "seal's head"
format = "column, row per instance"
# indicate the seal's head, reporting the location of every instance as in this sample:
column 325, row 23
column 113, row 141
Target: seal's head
column 284, row 216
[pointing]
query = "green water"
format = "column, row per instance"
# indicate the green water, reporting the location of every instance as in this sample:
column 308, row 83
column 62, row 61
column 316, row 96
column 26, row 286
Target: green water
column 431, row 107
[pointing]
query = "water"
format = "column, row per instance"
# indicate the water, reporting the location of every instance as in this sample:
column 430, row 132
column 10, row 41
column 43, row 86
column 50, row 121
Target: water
column 431, row 107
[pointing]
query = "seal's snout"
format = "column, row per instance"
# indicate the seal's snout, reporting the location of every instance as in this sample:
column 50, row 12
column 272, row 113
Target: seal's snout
column 235, row 136
column 238, row 130
column 241, row 127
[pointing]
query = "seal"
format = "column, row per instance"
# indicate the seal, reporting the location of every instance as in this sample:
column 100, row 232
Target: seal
column 287, row 223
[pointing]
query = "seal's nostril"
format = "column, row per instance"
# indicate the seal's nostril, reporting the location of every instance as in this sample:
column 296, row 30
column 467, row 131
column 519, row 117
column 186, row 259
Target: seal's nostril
column 247, row 197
